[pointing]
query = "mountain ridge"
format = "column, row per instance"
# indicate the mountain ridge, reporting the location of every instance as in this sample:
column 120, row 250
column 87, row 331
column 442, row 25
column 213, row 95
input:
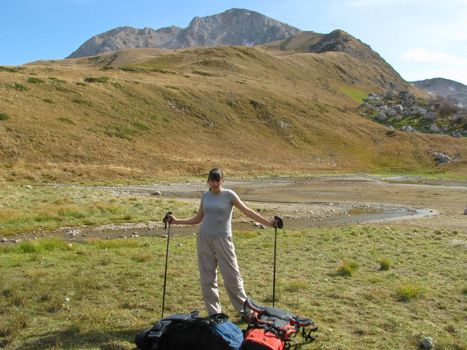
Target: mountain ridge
column 446, row 88
column 231, row 27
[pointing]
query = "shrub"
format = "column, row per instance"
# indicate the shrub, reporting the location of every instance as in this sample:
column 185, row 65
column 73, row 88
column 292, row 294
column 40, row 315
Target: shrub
column 384, row 264
column 4, row 116
column 19, row 87
column 409, row 292
column 347, row 269
column 96, row 79
column 34, row 80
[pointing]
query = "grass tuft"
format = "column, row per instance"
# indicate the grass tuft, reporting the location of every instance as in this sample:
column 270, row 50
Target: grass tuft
column 409, row 292
column 347, row 268
column 19, row 87
column 384, row 264
column 4, row 116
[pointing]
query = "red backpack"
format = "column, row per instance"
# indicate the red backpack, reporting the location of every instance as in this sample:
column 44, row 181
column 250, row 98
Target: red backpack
column 270, row 328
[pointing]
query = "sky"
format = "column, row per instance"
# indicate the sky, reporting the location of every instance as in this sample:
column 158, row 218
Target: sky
column 420, row 39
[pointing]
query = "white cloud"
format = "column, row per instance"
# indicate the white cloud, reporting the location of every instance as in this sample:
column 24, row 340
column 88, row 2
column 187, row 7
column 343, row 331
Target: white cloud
column 427, row 56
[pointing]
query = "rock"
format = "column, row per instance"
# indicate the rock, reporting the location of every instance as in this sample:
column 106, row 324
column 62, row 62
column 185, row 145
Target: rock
column 426, row 343
column 399, row 109
column 422, row 111
column 465, row 211
column 384, row 109
column 430, row 116
column 407, row 128
column 434, row 128
column 4, row 240
column 73, row 233
column 16, row 241
column 29, row 187
column 156, row 193
column 441, row 158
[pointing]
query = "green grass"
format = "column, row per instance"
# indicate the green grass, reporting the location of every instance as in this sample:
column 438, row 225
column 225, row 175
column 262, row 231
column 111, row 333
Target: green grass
column 409, row 292
column 97, row 295
column 48, row 208
column 4, row 116
column 355, row 93
column 385, row 264
column 34, row 80
column 347, row 268
column 101, row 80
column 19, row 87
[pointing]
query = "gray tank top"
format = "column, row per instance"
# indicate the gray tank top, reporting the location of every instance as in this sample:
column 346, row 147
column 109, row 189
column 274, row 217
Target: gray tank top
column 217, row 209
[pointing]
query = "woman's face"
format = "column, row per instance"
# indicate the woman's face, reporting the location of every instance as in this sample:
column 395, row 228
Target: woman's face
column 215, row 185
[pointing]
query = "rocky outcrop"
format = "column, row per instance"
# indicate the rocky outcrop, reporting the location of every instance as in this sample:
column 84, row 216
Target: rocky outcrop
column 126, row 38
column 232, row 27
column 403, row 111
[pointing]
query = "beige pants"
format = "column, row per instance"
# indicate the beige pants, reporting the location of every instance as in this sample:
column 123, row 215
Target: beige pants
column 214, row 252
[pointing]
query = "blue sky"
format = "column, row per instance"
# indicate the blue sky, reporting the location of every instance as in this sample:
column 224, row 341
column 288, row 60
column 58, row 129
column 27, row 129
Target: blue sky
column 419, row 38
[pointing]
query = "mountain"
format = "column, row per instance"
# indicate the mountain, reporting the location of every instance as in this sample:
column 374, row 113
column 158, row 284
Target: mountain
column 232, row 27
column 126, row 38
column 446, row 88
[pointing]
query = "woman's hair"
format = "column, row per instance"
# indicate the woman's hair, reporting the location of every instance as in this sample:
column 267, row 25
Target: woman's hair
column 215, row 174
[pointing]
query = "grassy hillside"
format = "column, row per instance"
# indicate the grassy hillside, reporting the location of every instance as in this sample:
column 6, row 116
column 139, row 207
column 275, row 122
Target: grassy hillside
column 142, row 113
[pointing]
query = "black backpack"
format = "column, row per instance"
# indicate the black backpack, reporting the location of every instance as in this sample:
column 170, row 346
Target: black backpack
column 190, row 331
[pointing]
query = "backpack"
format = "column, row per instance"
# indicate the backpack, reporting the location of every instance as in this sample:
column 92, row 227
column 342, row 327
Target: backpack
column 271, row 328
column 190, row 331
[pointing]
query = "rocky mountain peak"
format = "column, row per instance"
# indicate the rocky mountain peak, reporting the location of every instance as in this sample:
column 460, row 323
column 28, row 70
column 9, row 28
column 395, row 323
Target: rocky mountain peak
column 232, row 27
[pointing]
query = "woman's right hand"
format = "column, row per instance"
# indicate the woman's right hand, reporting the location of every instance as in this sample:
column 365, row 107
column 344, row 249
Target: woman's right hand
column 168, row 219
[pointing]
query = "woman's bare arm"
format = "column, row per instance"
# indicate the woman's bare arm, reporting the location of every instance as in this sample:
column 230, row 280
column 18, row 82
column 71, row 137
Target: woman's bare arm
column 192, row 221
column 251, row 213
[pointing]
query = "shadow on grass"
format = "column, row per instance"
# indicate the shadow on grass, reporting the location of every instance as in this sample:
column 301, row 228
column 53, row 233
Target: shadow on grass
column 73, row 339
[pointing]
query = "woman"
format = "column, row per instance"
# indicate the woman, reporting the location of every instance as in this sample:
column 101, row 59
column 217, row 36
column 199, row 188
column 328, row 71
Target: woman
column 215, row 245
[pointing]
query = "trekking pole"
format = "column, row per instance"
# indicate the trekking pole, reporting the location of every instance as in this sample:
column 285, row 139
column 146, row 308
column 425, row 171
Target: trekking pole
column 274, row 270
column 277, row 223
column 167, row 221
